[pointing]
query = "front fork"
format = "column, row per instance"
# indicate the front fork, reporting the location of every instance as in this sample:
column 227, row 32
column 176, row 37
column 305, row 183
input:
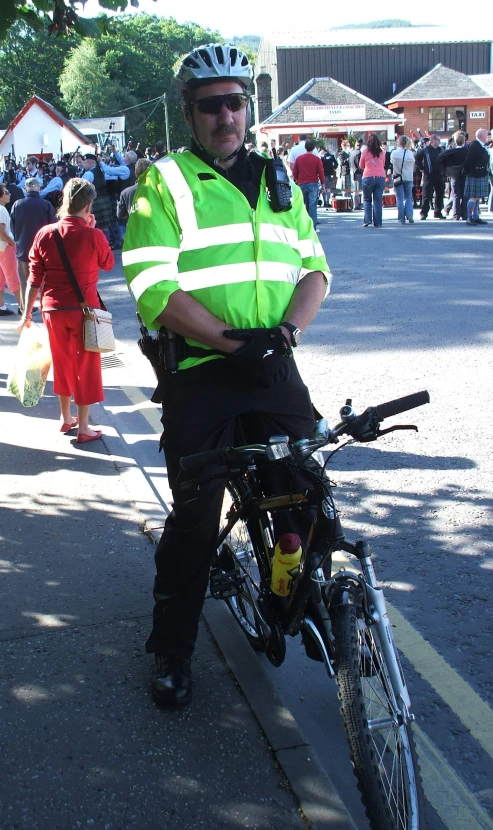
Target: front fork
column 375, row 610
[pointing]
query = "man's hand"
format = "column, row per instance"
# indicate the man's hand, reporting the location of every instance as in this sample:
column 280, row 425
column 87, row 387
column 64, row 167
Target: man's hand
column 263, row 357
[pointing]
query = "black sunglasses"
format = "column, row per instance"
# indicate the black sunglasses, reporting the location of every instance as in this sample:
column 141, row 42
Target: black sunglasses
column 213, row 105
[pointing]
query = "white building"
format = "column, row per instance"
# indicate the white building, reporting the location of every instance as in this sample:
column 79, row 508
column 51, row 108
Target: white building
column 40, row 130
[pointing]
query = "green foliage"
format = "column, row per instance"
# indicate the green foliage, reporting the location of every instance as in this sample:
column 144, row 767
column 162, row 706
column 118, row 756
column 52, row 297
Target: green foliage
column 84, row 83
column 135, row 60
column 30, row 63
column 127, row 70
column 58, row 17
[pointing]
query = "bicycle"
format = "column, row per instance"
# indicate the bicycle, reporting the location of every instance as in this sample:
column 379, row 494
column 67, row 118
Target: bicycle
column 341, row 615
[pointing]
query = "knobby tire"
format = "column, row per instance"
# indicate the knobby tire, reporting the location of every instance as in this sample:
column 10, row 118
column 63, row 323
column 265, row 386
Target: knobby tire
column 384, row 759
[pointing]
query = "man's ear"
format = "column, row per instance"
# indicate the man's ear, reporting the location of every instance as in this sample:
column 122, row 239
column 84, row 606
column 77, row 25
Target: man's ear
column 186, row 115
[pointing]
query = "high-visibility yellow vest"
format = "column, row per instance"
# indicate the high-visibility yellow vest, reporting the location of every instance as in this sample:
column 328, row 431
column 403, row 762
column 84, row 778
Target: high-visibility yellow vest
column 191, row 229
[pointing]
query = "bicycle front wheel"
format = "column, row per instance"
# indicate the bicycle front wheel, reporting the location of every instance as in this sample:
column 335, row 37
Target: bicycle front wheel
column 238, row 552
column 381, row 742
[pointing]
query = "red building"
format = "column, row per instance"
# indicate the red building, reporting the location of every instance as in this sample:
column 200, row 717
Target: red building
column 443, row 101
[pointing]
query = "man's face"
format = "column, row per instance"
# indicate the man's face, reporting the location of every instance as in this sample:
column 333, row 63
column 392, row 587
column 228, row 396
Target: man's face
column 88, row 163
column 435, row 141
column 30, row 167
column 221, row 134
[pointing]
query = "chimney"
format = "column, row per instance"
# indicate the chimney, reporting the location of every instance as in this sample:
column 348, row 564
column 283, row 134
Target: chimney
column 264, row 96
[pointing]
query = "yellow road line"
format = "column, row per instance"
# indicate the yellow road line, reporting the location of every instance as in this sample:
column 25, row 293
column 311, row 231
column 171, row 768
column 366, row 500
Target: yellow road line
column 445, row 791
column 474, row 713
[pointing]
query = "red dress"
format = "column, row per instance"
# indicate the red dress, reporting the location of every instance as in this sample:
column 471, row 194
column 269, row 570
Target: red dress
column 75, row 371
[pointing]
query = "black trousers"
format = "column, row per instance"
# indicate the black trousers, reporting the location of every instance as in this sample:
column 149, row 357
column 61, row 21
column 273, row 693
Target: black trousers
column 200, row 408
column 430, row 186
column 457, row 197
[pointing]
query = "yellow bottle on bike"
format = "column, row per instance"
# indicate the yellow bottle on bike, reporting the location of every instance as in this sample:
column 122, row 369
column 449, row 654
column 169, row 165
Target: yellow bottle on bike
column 285, row 564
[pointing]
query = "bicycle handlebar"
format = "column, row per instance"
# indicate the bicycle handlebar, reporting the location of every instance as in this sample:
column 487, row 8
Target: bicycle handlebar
column 362, row 428
column 386, row 410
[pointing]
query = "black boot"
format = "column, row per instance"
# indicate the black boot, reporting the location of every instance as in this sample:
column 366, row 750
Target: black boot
column 172, row 680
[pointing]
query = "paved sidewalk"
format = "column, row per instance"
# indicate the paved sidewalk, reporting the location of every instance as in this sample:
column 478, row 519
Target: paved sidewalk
column 83, row 745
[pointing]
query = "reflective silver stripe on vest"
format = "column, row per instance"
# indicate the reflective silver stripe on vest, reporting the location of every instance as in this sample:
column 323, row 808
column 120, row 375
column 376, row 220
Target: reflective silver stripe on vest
column 151, row 253
column 146, row 279
column 240, row 272
column 309, row 248
column 276, row 233
column 181, row 193
column 222, row 235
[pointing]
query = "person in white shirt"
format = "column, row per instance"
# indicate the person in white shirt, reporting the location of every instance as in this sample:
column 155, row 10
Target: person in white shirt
column 9, row 275
column 298, row 150
column 402, row 161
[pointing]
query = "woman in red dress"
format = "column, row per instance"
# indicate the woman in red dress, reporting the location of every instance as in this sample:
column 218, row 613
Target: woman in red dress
column 76, row 372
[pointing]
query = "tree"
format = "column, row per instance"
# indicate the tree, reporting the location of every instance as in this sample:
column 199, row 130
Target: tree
column 58, row 17
column 85, row 86
column 134, row 63
column 30, row 63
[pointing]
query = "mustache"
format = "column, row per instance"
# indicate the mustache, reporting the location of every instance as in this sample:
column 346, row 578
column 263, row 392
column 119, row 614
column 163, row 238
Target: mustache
column 224, row 130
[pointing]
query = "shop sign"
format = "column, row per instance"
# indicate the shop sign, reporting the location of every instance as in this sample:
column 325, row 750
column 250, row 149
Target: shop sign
column 477, row 114
column 335, row 112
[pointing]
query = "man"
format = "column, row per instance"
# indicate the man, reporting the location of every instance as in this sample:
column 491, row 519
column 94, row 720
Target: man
column 15, row 191
column 329, row 163
column 273, row 148
column 98, row 173
column 55, row 185
column 344, row 167
column 298, row 150
column 433, row 177
column 232, row 291
column 388, row 160
column 33, row 171
column 27, row 217
column 476, row 167
column 159, row 150
column 452, row 161
column 308, row 171
column 127, row 195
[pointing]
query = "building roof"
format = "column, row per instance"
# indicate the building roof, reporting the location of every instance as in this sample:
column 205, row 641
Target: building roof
column 101, row 125
column 57, row 116
column 379, row 37
column 440, row 83
column 484, row 81
column 323, row 91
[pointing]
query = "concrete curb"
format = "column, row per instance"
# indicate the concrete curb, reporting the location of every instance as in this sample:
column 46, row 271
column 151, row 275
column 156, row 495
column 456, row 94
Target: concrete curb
column 318, row 798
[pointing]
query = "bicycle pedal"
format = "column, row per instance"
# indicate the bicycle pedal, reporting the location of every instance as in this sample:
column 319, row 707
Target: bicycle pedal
column 224, row 584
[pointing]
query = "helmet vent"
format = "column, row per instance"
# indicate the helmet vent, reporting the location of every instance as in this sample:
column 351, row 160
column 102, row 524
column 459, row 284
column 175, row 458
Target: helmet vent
column 219, row 54
column 233, row 54
column 204, row 54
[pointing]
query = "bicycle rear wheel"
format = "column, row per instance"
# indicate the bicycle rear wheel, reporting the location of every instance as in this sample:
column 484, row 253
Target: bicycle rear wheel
column 381, row 743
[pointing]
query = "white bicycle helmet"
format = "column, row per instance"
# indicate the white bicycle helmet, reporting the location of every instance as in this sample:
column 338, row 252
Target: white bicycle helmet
column 212, row 62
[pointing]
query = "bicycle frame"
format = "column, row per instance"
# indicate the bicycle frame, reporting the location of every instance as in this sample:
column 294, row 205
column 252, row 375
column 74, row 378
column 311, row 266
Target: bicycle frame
column 340, row 588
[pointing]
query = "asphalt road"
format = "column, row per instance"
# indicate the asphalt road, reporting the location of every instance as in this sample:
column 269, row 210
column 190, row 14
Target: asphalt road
column 410, row 309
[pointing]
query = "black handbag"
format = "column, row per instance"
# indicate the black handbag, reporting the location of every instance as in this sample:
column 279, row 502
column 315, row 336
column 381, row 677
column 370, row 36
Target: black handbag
column 398, row 176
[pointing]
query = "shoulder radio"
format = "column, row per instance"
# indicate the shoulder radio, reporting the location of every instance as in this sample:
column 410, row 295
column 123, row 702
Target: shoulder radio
column 278, row 185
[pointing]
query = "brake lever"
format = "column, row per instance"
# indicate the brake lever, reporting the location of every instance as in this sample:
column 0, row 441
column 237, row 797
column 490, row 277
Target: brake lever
column 411, row 427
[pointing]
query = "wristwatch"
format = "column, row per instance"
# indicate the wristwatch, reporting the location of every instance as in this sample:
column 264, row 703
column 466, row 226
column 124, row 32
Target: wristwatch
column 296, row 333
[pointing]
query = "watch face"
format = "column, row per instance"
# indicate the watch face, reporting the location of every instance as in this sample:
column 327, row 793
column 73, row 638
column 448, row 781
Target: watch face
column 297, row 336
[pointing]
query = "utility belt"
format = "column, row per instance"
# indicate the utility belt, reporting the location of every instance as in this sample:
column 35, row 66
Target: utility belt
column 165, row 351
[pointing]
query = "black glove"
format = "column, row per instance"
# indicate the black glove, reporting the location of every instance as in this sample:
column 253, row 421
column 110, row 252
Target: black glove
column 263, row 357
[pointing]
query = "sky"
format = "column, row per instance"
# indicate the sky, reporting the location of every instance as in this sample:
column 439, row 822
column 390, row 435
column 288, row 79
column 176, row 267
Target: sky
column 230, row 19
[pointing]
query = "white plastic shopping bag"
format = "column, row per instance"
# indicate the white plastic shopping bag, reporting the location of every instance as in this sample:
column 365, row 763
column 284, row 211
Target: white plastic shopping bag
column 32, row 361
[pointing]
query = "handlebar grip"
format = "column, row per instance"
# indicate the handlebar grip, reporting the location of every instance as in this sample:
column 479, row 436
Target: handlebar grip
column 201, row 459
column 386, row 410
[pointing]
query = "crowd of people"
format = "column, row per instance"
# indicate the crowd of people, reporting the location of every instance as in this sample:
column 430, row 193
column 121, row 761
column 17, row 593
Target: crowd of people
column 31, row 193
column 421, row 172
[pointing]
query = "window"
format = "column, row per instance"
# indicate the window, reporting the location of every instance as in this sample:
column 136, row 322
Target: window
column 445, row 119
column 436, row 119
